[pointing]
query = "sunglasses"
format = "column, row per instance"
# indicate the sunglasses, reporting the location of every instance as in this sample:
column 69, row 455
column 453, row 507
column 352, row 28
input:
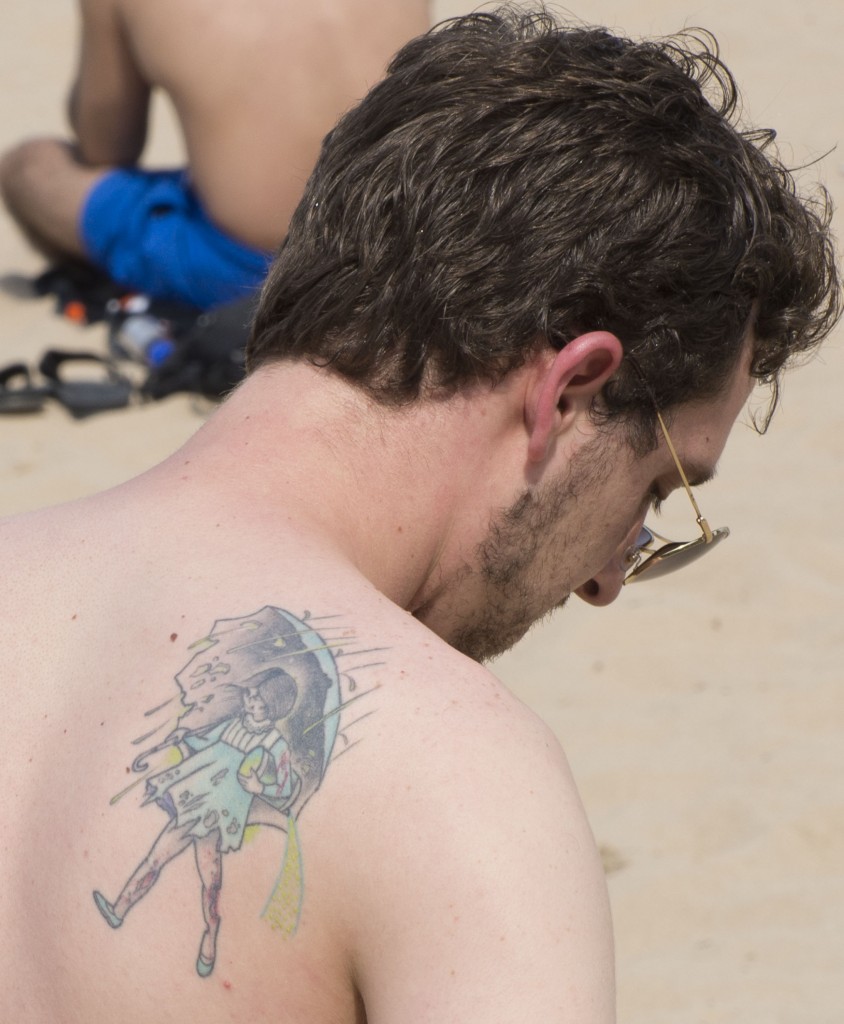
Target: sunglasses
column 648, row 562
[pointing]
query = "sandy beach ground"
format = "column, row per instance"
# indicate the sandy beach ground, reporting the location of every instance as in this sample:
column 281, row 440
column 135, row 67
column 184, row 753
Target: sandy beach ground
column 703, row 714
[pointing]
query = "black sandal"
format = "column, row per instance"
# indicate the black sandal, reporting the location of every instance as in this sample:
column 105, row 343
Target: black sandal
column 83, row 397
column 17, row 392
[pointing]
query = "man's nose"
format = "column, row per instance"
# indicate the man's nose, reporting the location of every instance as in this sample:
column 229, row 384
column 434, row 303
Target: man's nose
column 605, row 586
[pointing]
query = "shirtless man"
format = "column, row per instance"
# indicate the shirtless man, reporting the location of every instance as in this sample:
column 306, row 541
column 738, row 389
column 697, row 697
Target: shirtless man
column 255, row 86
column 522, row 244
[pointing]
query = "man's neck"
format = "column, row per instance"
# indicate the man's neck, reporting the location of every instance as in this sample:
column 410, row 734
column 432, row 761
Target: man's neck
column 396, row 494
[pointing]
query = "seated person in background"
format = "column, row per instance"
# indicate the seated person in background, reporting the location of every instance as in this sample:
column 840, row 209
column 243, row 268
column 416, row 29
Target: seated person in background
column 255, row 87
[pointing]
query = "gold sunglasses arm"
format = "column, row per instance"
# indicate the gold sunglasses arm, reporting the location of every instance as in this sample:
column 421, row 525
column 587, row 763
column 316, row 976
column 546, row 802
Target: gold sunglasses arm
column 702, row 523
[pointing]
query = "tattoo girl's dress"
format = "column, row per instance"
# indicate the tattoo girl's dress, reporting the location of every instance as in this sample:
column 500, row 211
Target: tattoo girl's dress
column 203, row 793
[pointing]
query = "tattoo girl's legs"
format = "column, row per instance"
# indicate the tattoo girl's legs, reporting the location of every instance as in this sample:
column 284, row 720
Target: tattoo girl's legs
column 209, row 863
column 171, row 842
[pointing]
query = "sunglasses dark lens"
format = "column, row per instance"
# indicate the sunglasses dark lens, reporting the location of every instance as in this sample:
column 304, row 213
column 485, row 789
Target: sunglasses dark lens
column 674, row 556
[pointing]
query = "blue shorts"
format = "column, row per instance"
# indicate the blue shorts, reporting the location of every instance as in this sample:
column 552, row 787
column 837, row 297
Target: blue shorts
column 148, row 232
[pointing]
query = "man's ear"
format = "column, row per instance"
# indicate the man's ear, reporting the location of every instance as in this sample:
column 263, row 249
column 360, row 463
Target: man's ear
column 566, row 383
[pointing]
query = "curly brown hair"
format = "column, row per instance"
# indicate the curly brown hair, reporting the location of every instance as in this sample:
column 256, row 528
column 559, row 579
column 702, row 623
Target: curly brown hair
column 514, row 182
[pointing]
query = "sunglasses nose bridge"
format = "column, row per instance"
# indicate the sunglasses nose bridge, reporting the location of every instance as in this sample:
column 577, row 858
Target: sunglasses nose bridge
column 633, row 555
column 644, row 539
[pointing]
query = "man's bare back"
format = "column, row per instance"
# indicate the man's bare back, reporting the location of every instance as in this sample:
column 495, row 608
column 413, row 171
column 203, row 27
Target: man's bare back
column 257, row 85
column 406, row 876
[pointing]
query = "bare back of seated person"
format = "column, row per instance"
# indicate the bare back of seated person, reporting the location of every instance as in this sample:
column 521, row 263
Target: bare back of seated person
column 256, row 86
column 254, row 766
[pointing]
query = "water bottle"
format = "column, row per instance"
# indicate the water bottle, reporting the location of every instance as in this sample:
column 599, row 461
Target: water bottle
column 143, row 338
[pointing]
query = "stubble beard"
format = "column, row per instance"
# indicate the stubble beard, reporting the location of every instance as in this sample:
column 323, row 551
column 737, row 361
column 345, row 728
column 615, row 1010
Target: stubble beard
column 522, row 558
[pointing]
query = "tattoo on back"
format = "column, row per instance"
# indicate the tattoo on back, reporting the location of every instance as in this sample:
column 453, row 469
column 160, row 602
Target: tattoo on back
column 262, row 708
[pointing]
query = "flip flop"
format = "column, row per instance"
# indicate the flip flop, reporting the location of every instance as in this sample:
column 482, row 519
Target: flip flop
column 83, row 397
column 17, row 392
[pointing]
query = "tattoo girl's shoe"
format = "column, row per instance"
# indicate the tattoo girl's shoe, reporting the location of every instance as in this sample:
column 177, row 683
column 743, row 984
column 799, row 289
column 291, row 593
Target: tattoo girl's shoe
column 205, row 964
column 204, row 967
column 107, row 910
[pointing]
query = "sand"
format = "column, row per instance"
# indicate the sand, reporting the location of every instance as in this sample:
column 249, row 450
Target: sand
column 702, row 714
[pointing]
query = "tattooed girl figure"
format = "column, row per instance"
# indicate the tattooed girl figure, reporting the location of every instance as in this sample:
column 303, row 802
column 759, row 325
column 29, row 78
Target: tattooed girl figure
column 209, row 794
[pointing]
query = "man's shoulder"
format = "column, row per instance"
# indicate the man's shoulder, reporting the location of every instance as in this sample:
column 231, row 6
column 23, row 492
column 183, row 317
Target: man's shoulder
column 473, row 717
column 460, row 738
column 430, row 695
column 432, row 710
column 471, row 855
